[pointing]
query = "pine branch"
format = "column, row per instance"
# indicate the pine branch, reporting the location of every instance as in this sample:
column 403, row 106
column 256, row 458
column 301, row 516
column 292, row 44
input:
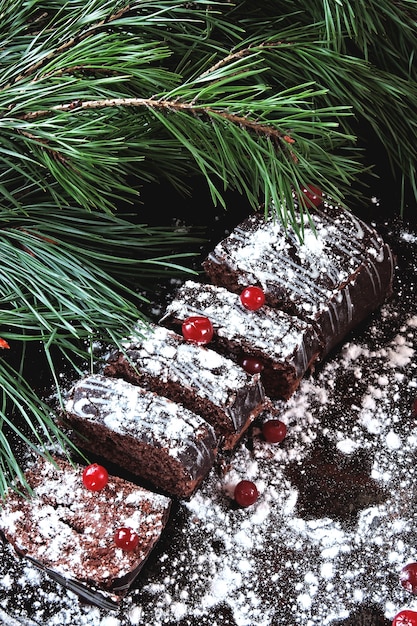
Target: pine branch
column 37, row 66
column 367, row 55
column 61, row 269
column 67, row 279
column 163, row 104
column 28, row 419
column 225, row 93
column 270, row 56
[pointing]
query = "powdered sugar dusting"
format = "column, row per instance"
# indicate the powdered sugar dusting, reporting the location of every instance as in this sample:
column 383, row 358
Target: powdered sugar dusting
column 131, row 411
column 275, row 333
column 275, row 562
column 310, row 273
column 192, row 375
column 174, row 359
column 64, row 524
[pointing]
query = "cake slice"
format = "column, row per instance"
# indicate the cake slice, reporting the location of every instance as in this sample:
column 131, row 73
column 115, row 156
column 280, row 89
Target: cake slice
column 285, row 346
column 68, row 530
column 149, row 435
column 201, row 379
column 340, row 273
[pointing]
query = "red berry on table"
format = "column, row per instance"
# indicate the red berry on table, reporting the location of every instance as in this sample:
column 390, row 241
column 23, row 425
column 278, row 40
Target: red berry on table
column 197, row 329
column 246, row 493
column 274, row 431
column 251, row 365
column 252, row 298
column 126, row 538
column 95, row 477
column 311, row 196
column 405, row 618
column 408, row 577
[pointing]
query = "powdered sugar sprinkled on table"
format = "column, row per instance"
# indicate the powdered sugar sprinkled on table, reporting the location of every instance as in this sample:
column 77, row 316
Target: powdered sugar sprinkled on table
column 267, row 564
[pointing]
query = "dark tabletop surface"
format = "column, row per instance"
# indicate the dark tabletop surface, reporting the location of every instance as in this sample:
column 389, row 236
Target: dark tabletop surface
column 335, row 520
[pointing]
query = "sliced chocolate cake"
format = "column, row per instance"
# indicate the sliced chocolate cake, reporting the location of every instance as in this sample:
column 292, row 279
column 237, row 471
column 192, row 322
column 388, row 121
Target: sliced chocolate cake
column 284, row 346
column 201, row 379
column 341, row 272
column 152, row 437
column 69, row 530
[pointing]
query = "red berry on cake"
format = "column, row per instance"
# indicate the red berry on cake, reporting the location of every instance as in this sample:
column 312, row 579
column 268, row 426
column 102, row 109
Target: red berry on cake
column 405, row 618
column 252, row 298
column 95, row 477
column 408, row 577
column 311, row 196
column 246, row 493
column 197, row 329
column 274, row 431
column 126, row 538
column 252, row 365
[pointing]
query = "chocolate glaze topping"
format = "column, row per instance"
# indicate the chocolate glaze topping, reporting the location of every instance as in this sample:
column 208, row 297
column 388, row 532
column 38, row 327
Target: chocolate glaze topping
column 341, row 272
column 147, row 434
column 205, row 381
column 286, row 345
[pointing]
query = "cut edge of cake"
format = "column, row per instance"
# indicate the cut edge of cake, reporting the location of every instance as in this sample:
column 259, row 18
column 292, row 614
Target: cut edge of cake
column 150, row 436
column 341, row 273
column 67, row 531
column 286, row 346
column 203, row 380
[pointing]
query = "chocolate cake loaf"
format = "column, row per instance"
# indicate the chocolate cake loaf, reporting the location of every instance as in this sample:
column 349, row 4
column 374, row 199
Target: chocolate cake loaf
column 152, row 437
column 68, row 530
column 285, row 346
column 341, row 272
column 201, row 379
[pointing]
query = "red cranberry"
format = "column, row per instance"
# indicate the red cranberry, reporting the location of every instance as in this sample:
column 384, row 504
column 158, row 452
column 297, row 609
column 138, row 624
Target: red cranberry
column 274, row 431
column 95, row 477
column 405, row 618
column 126, row 538
column 252, row 365
column 252, row 298
column 311, row 196
column 408, row 577
column 197, row 329
column 246, row 493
